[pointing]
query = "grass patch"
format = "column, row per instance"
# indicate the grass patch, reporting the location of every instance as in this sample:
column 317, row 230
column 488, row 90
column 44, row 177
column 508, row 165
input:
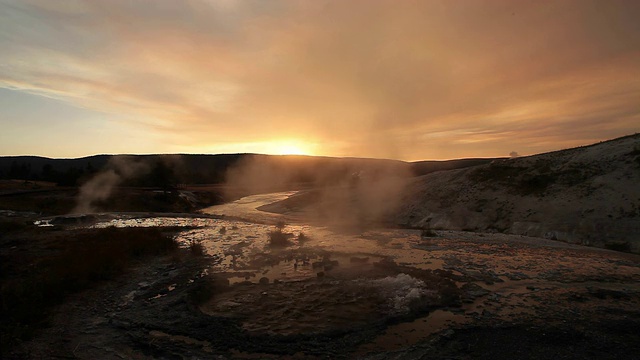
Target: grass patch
column 427, row 233
column 32, row 286
column 302, row 237
column 196, row 248
column 277, row 238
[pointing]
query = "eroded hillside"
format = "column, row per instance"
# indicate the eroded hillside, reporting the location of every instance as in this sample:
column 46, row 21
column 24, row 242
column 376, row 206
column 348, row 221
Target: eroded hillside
column 588, row 195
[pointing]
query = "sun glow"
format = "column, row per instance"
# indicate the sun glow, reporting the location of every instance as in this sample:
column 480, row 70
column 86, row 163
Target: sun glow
column 289, row 148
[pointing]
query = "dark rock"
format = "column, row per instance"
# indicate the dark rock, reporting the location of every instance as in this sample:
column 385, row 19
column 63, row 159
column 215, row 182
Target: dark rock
column 473, row 291
column 448, row 333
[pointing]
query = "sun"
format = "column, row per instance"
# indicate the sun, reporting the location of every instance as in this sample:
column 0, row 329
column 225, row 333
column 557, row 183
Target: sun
column 289, row 148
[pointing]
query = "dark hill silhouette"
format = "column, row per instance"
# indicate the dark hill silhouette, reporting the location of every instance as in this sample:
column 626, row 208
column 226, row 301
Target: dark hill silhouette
column 210, row 169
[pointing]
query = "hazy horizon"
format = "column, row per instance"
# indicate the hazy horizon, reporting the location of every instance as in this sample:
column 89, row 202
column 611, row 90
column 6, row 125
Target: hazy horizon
column 411, row 81
column 513, row 154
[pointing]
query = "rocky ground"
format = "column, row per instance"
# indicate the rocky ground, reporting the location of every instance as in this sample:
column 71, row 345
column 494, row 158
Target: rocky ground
column 455, row 295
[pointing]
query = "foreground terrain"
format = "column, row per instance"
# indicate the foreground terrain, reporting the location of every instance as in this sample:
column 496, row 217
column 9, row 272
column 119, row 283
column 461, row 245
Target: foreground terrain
column 375, row 293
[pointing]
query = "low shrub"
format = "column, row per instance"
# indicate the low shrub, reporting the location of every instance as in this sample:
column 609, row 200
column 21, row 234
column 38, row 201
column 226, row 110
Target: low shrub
column 196, row 248
column 280, row 225
column 302, row 237
column 427, row 233
column 277, row 238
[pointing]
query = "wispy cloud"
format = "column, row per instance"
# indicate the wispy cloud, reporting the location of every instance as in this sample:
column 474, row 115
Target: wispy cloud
column 366, row 78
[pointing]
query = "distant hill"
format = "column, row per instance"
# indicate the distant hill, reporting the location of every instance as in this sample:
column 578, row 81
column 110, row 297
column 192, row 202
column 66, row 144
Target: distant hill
column 588, row 195
column 69, row 172
column 428, row 166
column 209, row 169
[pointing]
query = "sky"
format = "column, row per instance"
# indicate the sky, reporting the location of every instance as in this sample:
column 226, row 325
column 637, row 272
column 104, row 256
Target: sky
column 409, row 80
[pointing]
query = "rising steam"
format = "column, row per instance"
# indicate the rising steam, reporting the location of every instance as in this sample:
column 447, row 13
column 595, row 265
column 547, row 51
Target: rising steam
column 100, row 187
column 346, row 193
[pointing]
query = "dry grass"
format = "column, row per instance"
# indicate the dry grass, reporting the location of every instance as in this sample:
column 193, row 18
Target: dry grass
column 31, row 286
column 425, row 233
column 196, row 248
column 277, row 238
column 302, row 237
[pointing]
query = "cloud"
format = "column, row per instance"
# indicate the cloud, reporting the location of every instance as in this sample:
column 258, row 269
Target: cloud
column 408, row 80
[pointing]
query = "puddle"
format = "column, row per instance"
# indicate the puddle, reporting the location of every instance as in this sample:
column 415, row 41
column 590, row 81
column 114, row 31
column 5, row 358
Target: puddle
column 160, row 222
column 43, row 223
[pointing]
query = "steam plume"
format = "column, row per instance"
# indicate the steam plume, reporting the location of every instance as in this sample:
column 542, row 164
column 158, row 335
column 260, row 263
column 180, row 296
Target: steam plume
column 348, row 193
column 100, row 187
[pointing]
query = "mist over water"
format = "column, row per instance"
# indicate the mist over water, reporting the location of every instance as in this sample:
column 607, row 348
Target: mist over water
column 349, row 194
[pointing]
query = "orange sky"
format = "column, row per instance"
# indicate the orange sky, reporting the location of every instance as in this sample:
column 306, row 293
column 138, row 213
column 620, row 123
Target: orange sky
column 396, row 79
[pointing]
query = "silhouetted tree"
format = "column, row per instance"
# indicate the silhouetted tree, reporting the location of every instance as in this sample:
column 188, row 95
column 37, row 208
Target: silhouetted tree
column 163, row 176
column 90, row 168
column 20, row 171
column 70, row 177
column 48, row 173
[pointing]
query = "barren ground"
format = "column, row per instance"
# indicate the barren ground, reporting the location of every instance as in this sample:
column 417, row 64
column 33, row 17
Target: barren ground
column 375, row 293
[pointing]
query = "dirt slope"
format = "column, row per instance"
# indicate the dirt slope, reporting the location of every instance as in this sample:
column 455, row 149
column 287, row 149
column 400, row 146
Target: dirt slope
column 588, row 195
